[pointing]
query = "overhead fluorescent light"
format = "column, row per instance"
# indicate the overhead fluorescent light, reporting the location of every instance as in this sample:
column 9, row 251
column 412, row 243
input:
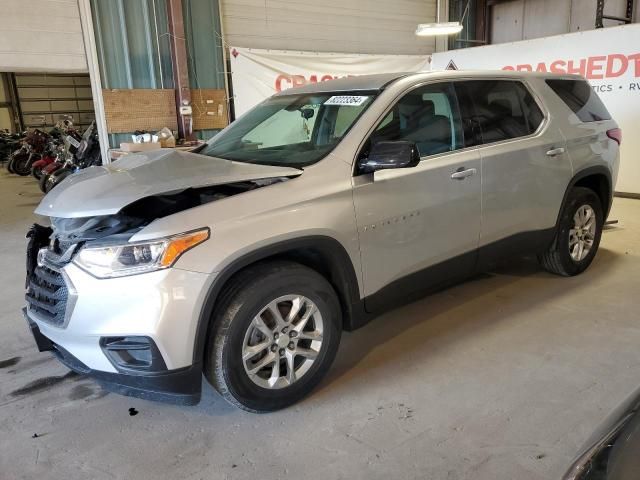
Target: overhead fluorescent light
column 442, row 28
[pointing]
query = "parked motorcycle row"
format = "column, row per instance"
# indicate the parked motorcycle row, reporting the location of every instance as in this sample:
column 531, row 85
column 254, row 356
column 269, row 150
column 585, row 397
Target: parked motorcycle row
column 52, row 156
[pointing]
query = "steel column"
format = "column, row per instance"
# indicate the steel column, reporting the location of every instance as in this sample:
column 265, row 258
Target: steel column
column 86, row 21
column 600, row 15
column 180, row 67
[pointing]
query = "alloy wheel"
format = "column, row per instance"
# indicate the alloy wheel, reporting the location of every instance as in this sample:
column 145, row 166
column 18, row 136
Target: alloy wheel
column 583, row 233
column 282, row 342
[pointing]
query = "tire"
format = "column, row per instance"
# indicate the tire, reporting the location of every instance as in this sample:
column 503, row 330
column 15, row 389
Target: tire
column 10, row 164
column 558, row 259
column 233, row 328
column 36, row 172
column 42, row 183
column 22, row 164
column 50, row 182
column 56, row 177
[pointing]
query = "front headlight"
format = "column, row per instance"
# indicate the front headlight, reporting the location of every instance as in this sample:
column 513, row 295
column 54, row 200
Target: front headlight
column 131, row 258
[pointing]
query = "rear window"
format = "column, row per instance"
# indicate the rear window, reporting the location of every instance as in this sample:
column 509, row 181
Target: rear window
column 581, row 99
column 502, row 109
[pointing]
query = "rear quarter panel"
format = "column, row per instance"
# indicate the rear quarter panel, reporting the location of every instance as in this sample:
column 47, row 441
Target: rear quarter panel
column 587, row 142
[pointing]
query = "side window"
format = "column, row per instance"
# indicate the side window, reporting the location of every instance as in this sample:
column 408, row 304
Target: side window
column 581, row 99
column 471, row 129
column 532, row 111
column 502, row 109
column 427, row 116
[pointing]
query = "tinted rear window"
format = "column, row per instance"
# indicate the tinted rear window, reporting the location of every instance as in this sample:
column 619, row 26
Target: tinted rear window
column 502, row 109
column 581, row 99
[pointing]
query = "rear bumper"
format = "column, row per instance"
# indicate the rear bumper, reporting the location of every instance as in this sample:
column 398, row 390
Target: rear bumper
column 181, row 386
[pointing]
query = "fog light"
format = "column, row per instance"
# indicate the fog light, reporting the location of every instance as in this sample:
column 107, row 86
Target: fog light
column 133, row 354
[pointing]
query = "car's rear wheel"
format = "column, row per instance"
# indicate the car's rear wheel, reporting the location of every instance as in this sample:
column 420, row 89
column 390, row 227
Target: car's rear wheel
column 275, row 335
column 578, row 235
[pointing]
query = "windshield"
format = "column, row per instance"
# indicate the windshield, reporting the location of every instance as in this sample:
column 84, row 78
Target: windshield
column 290, row 130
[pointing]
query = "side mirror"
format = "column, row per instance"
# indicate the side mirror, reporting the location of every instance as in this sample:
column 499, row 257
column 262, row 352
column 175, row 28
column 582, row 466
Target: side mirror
column 384, row 155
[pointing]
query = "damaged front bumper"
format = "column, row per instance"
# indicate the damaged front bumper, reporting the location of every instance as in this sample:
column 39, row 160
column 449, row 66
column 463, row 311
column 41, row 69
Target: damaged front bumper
column 134, row 334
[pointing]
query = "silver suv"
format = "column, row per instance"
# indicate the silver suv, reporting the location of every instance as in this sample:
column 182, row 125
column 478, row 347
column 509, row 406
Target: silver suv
column 315, row 211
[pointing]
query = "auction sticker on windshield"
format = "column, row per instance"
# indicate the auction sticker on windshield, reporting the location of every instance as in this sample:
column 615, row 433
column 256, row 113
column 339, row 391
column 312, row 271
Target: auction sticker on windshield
column 350, row 100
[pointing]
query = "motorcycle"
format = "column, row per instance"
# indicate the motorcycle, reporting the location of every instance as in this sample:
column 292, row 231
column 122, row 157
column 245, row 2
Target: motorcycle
column 54, row 174
column 83, row 153
column 55, row 146
column 50, row 169
column 8, row 143
column 31, row 150
column 47, row 159
column 20, row 156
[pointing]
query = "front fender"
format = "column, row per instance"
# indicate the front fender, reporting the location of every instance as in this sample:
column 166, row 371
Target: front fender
column 342, row 275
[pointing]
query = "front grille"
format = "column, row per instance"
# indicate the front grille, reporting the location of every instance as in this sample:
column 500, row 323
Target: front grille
column 47, row 295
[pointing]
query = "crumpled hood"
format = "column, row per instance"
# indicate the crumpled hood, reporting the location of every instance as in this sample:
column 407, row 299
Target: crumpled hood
column 106, row 190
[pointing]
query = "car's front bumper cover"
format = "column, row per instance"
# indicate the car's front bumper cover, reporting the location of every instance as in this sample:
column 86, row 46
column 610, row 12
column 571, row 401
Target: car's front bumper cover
column 181, row 386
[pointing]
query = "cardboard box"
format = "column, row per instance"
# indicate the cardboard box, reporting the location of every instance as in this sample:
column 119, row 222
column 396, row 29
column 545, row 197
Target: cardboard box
column 139, row 147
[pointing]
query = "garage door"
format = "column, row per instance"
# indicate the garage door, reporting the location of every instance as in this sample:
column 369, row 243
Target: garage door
column 45, row 99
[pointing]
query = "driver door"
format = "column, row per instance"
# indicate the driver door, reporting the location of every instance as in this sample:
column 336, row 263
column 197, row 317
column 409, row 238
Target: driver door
column 419, row 227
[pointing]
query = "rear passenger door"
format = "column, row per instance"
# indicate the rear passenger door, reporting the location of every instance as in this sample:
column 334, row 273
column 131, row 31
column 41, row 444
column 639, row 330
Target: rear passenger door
column 525, row 167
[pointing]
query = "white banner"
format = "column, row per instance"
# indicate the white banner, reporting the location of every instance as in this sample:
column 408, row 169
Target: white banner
column 608, row 57
column 258, row 74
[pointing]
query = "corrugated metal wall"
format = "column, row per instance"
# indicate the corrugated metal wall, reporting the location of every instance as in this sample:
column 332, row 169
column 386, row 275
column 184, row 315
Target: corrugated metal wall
column 357, row 26
column 204, row 48
column 132, row 40
column 526, row 19
column 41, row 36
column 204, row 43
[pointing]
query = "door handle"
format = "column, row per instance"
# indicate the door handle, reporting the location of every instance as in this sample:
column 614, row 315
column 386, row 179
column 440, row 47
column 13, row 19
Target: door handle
column 461, row 173
column 555, row 151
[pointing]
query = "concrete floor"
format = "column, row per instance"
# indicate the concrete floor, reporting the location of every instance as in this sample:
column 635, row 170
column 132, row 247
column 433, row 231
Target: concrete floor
column 502, row 377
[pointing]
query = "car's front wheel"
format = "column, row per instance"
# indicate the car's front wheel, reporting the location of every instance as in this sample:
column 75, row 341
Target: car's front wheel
column 578, row 235
column 276, row 333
